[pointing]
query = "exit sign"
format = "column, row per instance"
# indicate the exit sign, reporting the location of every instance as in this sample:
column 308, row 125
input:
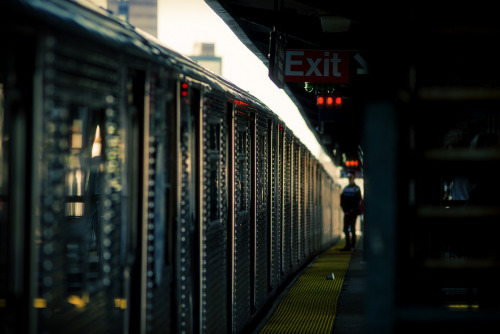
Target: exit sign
column 317, row 66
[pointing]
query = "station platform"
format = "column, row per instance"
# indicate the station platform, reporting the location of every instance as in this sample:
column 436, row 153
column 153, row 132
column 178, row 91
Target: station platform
column 326, row 297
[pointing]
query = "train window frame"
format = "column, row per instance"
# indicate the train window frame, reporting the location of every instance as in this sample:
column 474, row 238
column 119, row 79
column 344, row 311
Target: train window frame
column 86, row 149
column 242, row 159
column 213, row 159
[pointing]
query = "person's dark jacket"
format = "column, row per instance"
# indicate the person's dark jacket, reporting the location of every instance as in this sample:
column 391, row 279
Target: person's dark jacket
column 350, row 200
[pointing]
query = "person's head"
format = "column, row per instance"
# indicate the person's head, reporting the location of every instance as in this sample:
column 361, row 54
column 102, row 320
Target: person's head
column 351, row 177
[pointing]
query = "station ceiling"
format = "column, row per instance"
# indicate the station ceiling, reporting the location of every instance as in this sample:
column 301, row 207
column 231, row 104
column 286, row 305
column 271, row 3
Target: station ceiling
column 388, row 39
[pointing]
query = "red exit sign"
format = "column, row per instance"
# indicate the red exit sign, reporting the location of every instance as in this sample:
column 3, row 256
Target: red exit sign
column 317, row 66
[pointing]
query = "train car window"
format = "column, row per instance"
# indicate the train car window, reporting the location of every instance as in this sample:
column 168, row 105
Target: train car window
column 83, row 188
column 261, row 169
column 213, row 147
column 242, row 162
column 159, row 212
column 242, row 184
column 214, row 138
column 214, row 196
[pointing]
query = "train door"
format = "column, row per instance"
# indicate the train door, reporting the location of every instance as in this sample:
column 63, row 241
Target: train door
column 260, row 234
column 242, row 216
column 79, row 190
column 274, row 206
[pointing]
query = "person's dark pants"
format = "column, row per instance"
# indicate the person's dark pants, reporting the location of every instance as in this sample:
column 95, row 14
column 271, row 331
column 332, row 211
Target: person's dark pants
column 350, row 229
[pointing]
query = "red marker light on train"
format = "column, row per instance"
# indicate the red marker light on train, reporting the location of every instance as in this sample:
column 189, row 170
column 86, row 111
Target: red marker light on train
column 240, row 103
column 184, row 89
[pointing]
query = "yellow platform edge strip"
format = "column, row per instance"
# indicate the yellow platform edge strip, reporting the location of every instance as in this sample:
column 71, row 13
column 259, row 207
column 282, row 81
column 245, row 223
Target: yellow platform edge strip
column 310, row 306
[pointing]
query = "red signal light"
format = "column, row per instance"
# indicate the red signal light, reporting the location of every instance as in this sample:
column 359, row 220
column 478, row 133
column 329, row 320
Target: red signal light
column 338, row 101
column 329, row 101
column 320, row 101
column 352, row 163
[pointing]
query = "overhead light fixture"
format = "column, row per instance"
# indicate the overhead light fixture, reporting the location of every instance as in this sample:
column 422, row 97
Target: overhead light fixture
column 335, row 23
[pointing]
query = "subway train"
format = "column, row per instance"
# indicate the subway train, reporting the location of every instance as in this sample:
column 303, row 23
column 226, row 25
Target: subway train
column 140, row 192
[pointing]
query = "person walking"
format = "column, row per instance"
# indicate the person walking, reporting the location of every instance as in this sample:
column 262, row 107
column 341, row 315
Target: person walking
column 350, row 201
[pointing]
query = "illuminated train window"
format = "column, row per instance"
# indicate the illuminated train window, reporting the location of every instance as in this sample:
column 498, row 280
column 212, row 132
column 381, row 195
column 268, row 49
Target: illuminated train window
column 83, row 188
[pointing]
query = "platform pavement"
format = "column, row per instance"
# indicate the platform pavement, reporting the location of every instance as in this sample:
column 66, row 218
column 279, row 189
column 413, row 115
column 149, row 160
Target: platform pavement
column 346, row 315
column 350, row 310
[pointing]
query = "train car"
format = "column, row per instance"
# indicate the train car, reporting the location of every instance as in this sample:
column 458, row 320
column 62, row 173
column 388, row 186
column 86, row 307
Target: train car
column 139, row 191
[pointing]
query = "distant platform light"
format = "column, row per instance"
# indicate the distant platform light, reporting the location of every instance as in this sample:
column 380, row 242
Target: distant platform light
column 352, row 163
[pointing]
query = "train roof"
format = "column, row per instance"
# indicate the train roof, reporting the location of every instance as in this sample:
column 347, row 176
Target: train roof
column 90, row 21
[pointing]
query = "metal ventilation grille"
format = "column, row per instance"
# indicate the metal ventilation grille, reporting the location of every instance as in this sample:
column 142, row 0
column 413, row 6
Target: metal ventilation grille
column 215, row 192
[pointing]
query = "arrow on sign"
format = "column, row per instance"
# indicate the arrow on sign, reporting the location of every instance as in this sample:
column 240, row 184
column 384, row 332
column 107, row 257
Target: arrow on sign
column 361, row 61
